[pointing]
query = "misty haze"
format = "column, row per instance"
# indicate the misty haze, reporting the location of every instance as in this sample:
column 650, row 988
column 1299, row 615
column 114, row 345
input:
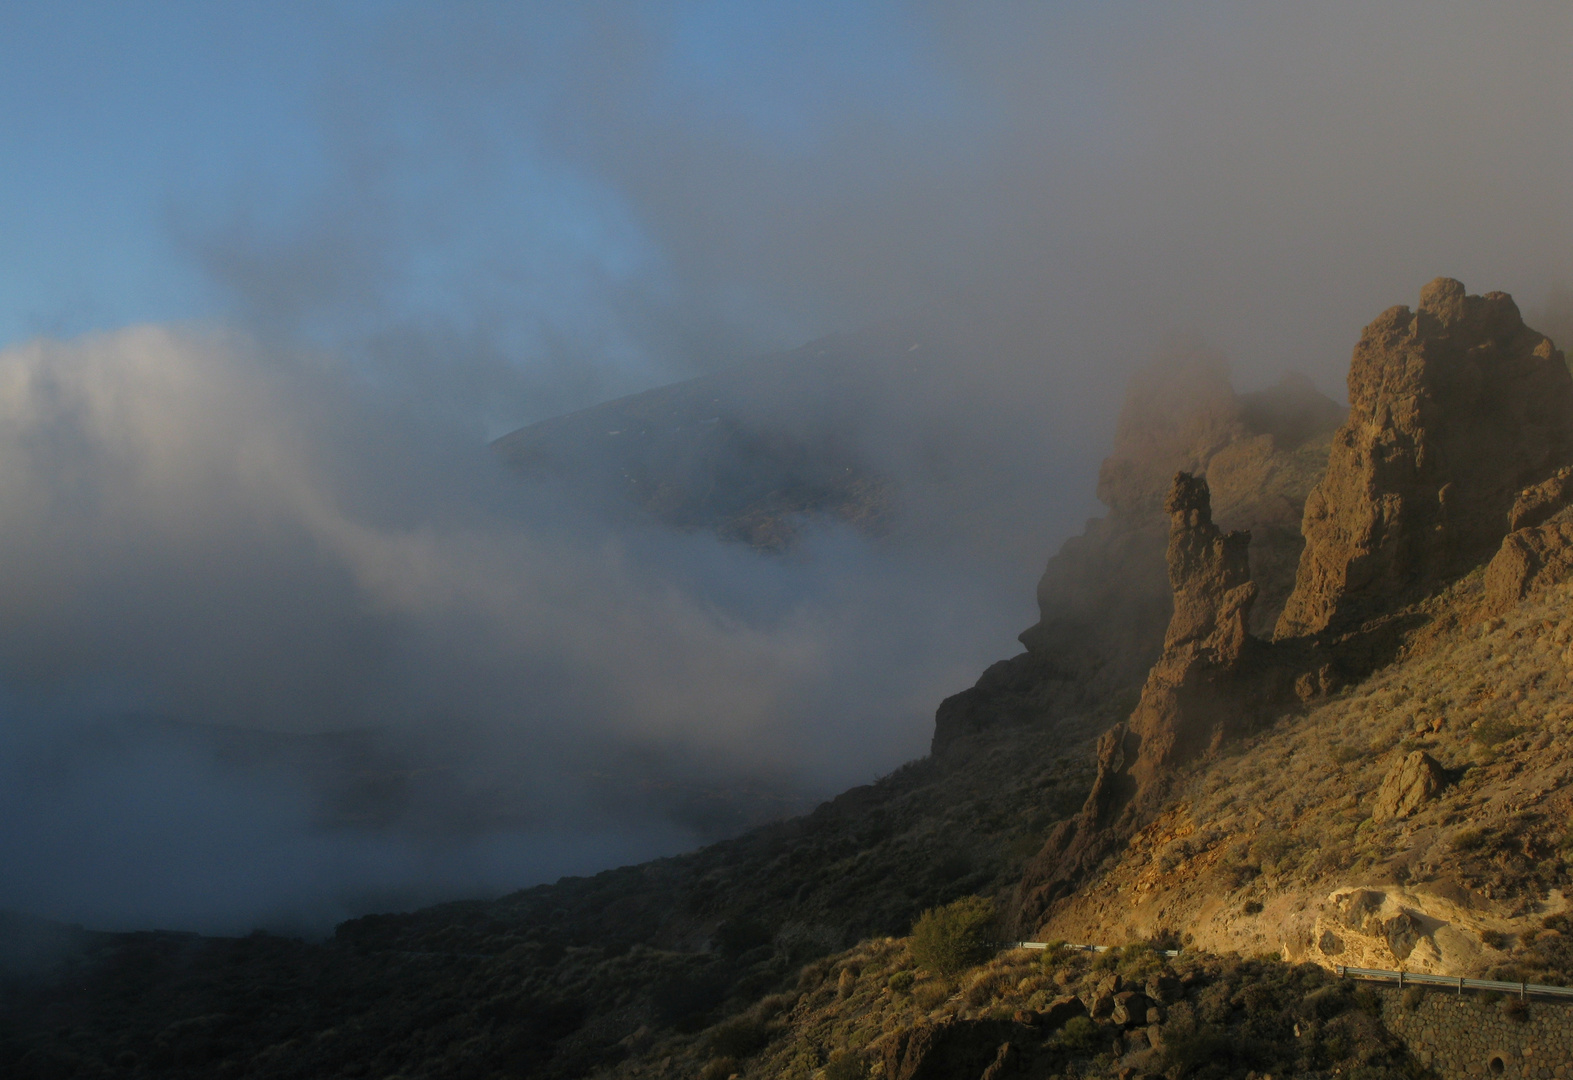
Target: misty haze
column 446, row 449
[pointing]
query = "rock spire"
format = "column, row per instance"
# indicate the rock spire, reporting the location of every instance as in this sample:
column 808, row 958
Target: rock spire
column 1191, row 701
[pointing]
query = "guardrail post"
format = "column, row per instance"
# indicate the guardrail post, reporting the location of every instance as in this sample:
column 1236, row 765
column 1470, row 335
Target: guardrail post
column 1460, row 986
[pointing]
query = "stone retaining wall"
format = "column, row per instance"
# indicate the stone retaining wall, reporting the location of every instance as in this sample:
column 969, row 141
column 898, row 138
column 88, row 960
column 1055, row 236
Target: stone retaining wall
column 1470, row 1035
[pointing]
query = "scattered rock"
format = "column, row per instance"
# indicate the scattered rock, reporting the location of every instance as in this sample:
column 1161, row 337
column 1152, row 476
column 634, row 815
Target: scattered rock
column 1530, row 560
column 1164, row 989
column 1403, row 932
column 1455, row 408
column 1130, row 1008
column 1411, row 782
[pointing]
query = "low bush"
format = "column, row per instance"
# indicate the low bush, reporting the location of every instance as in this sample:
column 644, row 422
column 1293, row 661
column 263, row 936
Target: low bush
column 1494, row 730
column 901, row 982
column 1080, row 1035
column 1469, row 839
column 932, row 994
column 954, row 937
column 987, row 988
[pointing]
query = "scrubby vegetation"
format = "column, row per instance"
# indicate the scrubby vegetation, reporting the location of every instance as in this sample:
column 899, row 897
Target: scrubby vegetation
column 1289, row 811
column 956, row 936
column 1209, row 1017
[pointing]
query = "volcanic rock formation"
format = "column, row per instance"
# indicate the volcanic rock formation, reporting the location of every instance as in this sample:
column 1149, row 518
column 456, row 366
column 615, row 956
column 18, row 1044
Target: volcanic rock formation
column 1192, row 700
column 1538, row 553
column 1454, row 409
column 1105, row 599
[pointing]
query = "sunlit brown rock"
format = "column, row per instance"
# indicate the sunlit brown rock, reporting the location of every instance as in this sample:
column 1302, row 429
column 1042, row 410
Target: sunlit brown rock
column 1189, row 703
column 1411, row 782
column 1455, row 408
column 1105, row 599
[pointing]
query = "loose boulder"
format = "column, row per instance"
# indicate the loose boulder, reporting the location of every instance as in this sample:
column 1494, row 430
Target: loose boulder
column 1411, row 782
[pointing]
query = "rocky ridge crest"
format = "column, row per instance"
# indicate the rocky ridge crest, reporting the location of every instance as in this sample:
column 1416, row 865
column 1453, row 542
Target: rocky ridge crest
column 1455, row 408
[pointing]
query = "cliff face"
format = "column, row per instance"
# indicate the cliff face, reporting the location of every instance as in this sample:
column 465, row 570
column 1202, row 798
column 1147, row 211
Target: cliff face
column 1260, row 453
column 1105, row 598
column 1454, row 409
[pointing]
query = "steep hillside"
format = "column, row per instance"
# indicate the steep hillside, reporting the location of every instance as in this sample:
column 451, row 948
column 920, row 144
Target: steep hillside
column 607, row 965
column 1423, row 818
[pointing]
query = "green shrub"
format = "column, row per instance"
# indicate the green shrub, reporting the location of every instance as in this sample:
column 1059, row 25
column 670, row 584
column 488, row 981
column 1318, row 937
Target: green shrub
column 954, row 937
column 1494, row 730
column 718, row 1069
column 988, row 988
column 1469, row 839
column 901, row 982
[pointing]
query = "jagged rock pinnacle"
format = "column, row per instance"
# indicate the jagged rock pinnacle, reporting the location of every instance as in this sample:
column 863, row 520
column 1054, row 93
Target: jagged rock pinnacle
column 1454, row 408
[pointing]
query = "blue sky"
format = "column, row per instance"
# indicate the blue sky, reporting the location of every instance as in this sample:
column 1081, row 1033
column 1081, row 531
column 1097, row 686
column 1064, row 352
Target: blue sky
column 520, row 209
column 339, row 170
column 116, row 115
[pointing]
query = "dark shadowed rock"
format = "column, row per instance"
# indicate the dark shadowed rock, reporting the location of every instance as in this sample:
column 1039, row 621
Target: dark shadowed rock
column 1130, row 1008
column 1060, row 1010
column 955, row 1050
column 1455, row 408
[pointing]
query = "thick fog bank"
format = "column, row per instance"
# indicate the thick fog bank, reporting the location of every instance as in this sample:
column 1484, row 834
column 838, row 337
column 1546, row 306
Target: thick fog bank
column 201, row 530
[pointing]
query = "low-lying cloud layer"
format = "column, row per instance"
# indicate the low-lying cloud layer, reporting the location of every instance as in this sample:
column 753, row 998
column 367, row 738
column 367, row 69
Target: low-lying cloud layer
column 199, row 530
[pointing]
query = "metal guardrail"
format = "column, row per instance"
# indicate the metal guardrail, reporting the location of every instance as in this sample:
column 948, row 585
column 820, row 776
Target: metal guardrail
column 1400, row 978
column 1457, row 982
column 1079, row 948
